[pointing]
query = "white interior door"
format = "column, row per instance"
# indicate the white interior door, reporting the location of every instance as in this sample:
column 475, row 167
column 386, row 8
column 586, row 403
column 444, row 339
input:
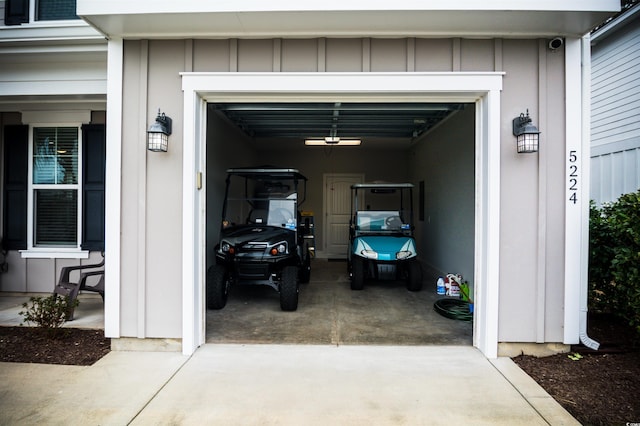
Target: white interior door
column 337, row 210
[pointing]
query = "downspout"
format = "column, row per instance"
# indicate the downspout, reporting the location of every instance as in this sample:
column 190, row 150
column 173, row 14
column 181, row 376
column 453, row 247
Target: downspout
column 586, row 162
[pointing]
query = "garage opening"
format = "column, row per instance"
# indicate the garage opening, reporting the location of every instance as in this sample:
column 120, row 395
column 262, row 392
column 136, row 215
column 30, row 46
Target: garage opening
column 428, row 144
column 203, row 168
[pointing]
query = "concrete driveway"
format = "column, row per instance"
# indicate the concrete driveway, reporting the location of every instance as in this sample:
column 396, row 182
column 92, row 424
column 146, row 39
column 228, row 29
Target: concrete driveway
column 223, row 384
column 380, row 356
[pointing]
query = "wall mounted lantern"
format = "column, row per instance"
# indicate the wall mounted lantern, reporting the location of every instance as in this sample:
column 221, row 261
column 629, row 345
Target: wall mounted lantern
column 527, row 135
column 158, row 133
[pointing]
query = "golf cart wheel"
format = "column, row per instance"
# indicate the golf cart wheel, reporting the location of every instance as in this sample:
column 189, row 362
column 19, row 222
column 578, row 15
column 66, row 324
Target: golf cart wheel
column 414, row 278
column 289, row 289
column 357, row 274
column 217, row 287
column 305, row 270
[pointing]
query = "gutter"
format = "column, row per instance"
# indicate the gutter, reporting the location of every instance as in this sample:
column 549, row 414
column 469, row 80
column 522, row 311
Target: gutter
column 615, row 24
column 586, row 155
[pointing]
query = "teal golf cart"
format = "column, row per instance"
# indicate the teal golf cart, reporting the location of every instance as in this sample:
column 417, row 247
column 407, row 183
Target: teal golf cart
column 381, row 244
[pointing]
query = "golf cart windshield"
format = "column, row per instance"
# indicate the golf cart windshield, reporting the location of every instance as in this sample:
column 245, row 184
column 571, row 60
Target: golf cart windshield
column 382, row 208
column 278, row 212
column 262, row 197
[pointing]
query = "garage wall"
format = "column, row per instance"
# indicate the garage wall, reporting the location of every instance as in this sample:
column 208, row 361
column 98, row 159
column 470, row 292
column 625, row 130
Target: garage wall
column 445, row 160
column 344, row 55
column 532, row 215
column 532, row 197
column 227, row 147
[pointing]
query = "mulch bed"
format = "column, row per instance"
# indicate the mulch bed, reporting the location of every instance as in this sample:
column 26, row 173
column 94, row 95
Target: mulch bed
column 70, row 346
column 600, row 387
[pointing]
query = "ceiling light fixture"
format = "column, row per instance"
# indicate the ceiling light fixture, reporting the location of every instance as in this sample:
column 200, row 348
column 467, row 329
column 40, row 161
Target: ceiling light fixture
column 332, row 141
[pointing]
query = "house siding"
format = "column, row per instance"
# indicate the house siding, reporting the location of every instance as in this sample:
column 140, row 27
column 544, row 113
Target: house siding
column 531, row 248
column 615, row 124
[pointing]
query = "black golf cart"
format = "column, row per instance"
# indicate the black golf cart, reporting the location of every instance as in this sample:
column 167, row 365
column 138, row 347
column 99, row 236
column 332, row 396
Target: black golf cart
column 260, row 240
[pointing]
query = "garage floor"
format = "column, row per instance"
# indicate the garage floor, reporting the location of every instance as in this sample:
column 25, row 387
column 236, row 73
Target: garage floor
column 329, row 312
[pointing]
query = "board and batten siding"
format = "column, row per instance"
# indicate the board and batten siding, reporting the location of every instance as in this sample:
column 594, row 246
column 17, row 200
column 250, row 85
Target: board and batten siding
column 615, row 121
column 150, row 297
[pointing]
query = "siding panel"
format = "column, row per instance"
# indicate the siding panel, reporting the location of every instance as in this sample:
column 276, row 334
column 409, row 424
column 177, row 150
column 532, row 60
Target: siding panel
column 615, row 123
column 477, row 55
column 255, row 55
column 344, row 55
column 434, row 54
column 211, row 55
column 299, row 55
column 388, row 55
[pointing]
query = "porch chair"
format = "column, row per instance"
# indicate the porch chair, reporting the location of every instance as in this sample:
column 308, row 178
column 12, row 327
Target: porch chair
column 71, row 289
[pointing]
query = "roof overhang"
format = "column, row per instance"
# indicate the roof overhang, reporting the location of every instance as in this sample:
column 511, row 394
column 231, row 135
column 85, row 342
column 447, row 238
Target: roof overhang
column 344, row 18
column 627, row 18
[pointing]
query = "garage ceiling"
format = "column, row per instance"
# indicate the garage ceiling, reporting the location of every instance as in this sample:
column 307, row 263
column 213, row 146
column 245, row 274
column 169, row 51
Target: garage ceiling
column 389, row 121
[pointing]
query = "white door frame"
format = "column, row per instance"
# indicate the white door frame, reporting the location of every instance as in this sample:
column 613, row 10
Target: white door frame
column 481, row 88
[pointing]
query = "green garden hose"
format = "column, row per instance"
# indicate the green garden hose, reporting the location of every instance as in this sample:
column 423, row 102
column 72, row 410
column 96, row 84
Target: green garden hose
column 454, row 309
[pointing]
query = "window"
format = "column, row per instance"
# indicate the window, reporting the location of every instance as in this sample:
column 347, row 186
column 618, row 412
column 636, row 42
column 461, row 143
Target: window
column 55, row 10
column 18, row 12
column 54, row 187
column 53, row 194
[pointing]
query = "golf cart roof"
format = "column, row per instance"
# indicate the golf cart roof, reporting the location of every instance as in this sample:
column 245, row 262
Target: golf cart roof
column 381, row 185
column 266, row 173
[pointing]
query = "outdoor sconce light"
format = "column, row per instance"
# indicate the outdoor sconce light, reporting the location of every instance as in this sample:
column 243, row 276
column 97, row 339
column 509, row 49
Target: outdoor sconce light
column 158, row 133
column 527, row 135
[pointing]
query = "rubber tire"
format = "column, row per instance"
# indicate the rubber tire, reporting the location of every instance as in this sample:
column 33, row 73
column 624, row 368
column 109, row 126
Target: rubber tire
column 357, row 274
column 305, row 270
column 217, row 287
column 414, row 277
column 289, row 288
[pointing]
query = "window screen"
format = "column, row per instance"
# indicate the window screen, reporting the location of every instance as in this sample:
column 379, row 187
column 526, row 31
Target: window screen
column 56, row 216
column 56, row 10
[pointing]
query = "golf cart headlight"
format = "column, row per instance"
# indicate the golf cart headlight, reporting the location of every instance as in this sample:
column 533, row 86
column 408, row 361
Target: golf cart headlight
column 280, row 248
column 369, row 254
column 227, row 248
column 403, row 254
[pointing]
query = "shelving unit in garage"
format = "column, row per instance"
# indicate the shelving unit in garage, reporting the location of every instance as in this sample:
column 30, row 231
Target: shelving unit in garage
column 307, row 228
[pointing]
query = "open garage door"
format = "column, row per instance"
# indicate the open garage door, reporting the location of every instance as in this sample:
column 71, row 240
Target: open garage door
column 397, row 142
column 482, row 92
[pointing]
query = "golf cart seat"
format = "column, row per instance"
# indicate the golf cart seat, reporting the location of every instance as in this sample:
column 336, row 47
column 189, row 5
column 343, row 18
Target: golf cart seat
column 258, row 217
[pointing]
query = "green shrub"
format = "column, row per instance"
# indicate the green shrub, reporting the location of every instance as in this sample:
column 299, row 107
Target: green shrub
column 614, row 258
column 50, row 312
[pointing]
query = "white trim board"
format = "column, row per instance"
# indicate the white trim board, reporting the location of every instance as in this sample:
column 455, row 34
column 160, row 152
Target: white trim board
column 483, row 89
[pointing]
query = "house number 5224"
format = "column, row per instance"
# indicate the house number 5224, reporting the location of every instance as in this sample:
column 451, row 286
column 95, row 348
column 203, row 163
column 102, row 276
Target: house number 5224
column 573, row 177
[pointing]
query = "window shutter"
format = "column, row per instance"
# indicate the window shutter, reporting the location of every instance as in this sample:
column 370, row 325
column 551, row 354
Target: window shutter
column 16, row 12
column 16, row 151
column 93, row 182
